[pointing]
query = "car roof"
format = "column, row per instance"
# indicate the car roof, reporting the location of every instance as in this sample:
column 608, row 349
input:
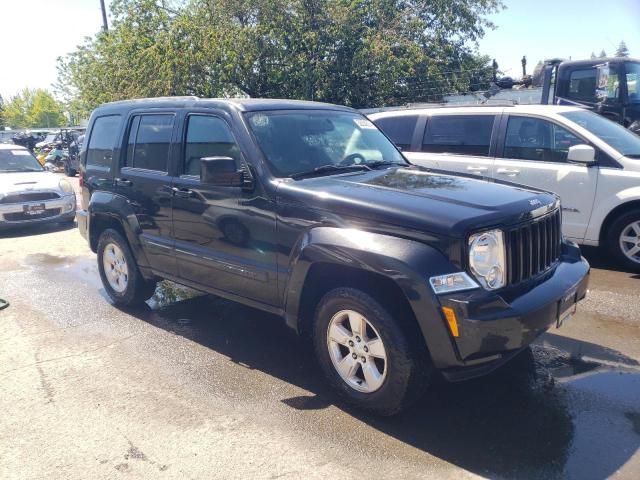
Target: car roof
column 240, row 104
column 466, row 109
column 11, row 146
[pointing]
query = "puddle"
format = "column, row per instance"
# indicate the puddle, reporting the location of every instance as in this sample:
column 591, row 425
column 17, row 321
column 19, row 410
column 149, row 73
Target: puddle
column 46, row 259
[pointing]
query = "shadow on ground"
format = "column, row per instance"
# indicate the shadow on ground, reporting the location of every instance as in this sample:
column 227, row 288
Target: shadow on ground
column 553, row 412
column 33, row 230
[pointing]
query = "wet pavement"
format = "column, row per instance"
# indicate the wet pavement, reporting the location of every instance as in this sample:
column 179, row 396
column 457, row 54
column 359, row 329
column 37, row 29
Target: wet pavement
column 194, row 386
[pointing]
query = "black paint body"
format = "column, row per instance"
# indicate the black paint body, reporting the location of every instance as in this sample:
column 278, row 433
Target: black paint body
column 258, row 245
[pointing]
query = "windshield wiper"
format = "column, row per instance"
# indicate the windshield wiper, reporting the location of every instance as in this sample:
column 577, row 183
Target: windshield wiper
column 329, row 168
column 385, row 163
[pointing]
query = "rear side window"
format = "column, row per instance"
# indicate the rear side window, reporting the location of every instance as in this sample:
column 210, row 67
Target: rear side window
column 104, row 136
column 459, row 134
column 149, row 142
column 582, row 85
column 399, row 129
column 207, row 136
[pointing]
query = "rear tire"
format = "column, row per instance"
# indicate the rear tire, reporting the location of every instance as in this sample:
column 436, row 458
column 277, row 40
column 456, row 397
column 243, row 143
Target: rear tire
column 119, row 271
column 68, row 171
column 353, row 332
column 623, row 240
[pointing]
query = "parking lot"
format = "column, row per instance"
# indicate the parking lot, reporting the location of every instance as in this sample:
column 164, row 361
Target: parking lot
column 198, row 387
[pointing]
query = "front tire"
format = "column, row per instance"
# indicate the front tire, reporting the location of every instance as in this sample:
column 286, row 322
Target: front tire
column 119, row 272
column 623, row 240
column 366, row 355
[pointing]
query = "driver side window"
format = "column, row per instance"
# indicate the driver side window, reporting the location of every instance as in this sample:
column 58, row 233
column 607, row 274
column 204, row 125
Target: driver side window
column 535, row 139
column 207, row 136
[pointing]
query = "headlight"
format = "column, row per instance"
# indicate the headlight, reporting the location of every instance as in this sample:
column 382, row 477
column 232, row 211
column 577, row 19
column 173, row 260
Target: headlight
column 487, row 258
column 452, row 282
column 65, row 186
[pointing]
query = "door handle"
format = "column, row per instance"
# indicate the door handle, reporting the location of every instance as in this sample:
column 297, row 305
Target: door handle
column 182, row 193
column 475, row 169
column 511, row 172
column 121, row 182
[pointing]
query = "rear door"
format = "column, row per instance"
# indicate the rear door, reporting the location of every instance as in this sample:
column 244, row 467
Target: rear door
column 144, row 180
column 534, row 153
column 458, row 143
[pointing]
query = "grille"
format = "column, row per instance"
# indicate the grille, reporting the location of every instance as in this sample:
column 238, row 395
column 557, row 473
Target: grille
column 26, row 197
column 21, row 216
column 533, row 248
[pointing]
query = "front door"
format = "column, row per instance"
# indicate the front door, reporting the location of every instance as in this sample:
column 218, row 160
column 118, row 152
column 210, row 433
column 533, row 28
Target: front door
column 144, row 181
column 535, row 154
column 224, row 236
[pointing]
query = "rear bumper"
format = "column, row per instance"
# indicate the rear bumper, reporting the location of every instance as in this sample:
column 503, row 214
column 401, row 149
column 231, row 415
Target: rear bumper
column 494, row 327
column 57, row 210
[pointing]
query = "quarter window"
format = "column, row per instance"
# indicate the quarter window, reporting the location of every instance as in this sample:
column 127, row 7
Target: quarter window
column 103, row 139
column 399, row 129
column 464, row 135
column 207, row 137
column 149, row 142
column 535, row 139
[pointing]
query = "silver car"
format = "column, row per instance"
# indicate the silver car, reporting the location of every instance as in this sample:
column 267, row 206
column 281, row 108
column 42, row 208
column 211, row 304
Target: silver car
column 30, row 195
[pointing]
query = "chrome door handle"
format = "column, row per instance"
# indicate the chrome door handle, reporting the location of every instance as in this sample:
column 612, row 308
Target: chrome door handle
column 512, row 172
column 178, row 192
column 123, row 182
column 475, row 169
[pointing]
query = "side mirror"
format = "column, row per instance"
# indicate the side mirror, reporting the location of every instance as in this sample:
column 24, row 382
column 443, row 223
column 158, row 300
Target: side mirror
column 221, row 172
column 582, row 154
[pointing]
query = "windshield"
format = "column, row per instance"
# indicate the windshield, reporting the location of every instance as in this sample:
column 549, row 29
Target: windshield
column 18, row 160
column 633, row 81
column 298, row 141
column 616, row 135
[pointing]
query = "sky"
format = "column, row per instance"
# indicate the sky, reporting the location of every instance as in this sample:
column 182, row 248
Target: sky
column 542, row 29
column 34, row 33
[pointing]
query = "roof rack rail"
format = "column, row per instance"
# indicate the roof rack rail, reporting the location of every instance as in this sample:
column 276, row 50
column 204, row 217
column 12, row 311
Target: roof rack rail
column 408, row 106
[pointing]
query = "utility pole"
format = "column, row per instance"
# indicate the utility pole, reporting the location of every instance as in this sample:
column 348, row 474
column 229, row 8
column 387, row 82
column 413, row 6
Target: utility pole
column 105, row 25
column 524, row 66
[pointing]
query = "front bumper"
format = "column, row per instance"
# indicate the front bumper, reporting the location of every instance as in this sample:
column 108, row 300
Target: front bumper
column 55, row 210
column 495, row 326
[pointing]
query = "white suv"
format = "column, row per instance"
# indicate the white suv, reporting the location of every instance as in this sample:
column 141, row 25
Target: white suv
column 591, row 162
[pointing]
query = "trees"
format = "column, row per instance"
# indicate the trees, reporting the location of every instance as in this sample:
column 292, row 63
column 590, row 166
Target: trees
column 33, row 108
column 622, row 50
column 354, row 52
column 603, row 54
column 2, row 121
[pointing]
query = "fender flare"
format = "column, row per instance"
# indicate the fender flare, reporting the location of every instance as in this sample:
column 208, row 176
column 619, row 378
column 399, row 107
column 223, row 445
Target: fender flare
column 407, row 263
column 117, row 209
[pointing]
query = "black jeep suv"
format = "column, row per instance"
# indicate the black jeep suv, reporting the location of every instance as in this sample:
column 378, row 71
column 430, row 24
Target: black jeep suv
column 308, row 211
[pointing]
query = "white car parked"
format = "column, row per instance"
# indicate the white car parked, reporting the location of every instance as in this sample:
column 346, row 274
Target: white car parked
column 591, row 162
column 30, row 195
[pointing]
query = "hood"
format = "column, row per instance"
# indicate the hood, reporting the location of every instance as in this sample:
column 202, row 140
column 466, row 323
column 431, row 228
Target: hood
column 418, row 199
column 21, row 181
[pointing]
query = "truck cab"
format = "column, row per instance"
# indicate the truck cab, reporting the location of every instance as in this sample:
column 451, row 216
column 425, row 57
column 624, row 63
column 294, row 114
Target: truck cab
column 608, row 86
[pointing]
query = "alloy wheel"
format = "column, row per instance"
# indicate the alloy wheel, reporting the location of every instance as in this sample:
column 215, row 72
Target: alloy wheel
column 630, row 241
column 357, row 351
column 115, row 267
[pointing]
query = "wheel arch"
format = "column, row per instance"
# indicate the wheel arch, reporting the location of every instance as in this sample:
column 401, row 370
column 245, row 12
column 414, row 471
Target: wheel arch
column 107, row 210
column 615, row 214
column 391, row 269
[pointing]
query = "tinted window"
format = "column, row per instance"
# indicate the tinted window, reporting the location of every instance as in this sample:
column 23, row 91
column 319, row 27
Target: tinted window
column 399, row 129
column 623, row 140
column 102, row 141
column 207, row 137
column 582, row 85
column 535, row 139
column 465, row 135
column 149, row 142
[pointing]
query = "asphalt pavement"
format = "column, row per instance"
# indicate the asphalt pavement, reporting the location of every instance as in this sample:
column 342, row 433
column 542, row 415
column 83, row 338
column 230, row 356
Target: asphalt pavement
column 193, row 386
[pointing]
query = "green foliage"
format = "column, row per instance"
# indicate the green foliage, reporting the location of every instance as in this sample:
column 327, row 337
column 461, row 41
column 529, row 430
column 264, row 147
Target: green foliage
column 622, row 50
column 2, row 120
column 603, row 54
column 34, row 108
column 353, row 52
